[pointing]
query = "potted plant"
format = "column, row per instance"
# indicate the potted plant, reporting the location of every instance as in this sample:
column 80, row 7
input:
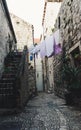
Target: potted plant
column 71, row 77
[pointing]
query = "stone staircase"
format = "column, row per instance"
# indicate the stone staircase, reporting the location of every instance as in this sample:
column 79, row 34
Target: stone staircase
column 8, row 81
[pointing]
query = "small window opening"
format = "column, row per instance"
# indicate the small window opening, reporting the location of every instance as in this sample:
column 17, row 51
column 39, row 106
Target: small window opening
column 76, row 56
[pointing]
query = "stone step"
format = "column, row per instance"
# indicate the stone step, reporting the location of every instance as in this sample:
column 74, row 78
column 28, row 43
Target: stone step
column 7, row 91
column 5, row 85
column 10, row 70
column 12, row 61
column 7, row 101
column 8, row 79
column 11, row 126
column 10, row 74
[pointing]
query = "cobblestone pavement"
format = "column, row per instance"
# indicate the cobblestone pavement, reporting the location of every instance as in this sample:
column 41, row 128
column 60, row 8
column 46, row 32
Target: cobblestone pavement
column 44, row 112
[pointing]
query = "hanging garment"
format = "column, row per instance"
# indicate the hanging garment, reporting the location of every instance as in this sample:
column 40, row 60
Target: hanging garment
column 49, row 45
column 57, row 48
column 43, row 49
column 31, row 57
column 35, row 49
column 31, row 48
column 38, row 47
column 57, row 44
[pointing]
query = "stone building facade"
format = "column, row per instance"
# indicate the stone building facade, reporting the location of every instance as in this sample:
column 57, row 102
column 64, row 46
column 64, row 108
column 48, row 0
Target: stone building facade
column 23, row 31
column 17, row 76
column 25, row 37
column 69, row 21
column 24, row 34
column 51, row 9
column 7, row 35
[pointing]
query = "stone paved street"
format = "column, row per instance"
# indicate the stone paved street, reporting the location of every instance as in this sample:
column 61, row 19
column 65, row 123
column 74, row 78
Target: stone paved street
column 43, row 112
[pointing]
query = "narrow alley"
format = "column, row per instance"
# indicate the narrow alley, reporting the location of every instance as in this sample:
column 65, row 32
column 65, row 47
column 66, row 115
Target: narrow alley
column 43, row 112
column 40, row 65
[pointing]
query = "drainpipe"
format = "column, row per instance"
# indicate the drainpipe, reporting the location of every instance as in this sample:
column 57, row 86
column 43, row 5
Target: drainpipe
column 34, row 61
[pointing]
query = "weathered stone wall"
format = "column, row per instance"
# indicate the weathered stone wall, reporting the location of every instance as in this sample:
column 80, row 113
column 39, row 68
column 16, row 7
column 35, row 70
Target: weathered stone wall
column 51, row 12
column 24, row 90
column 31, row 81
column 58, row 86
column 5, row 32
column 44, row 74
column 70, row 33
column 26, row 81
column 23, row 31
column 70, row 22
column 50, row 74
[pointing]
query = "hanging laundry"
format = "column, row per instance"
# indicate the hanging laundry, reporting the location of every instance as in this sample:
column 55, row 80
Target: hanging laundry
column 35, row 49
column 36, row 55
column 30, row 48
column 57, row 36
column 31, row 57
column 49, row 45
column 38, row 47
column 57, row 44
column 57, row 48
column 43, row 49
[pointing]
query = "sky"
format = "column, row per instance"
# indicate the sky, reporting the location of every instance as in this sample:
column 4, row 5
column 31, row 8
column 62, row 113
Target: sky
column 30, row 11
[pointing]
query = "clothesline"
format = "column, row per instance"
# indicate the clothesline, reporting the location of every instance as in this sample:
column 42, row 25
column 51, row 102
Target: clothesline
column 48, row 47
